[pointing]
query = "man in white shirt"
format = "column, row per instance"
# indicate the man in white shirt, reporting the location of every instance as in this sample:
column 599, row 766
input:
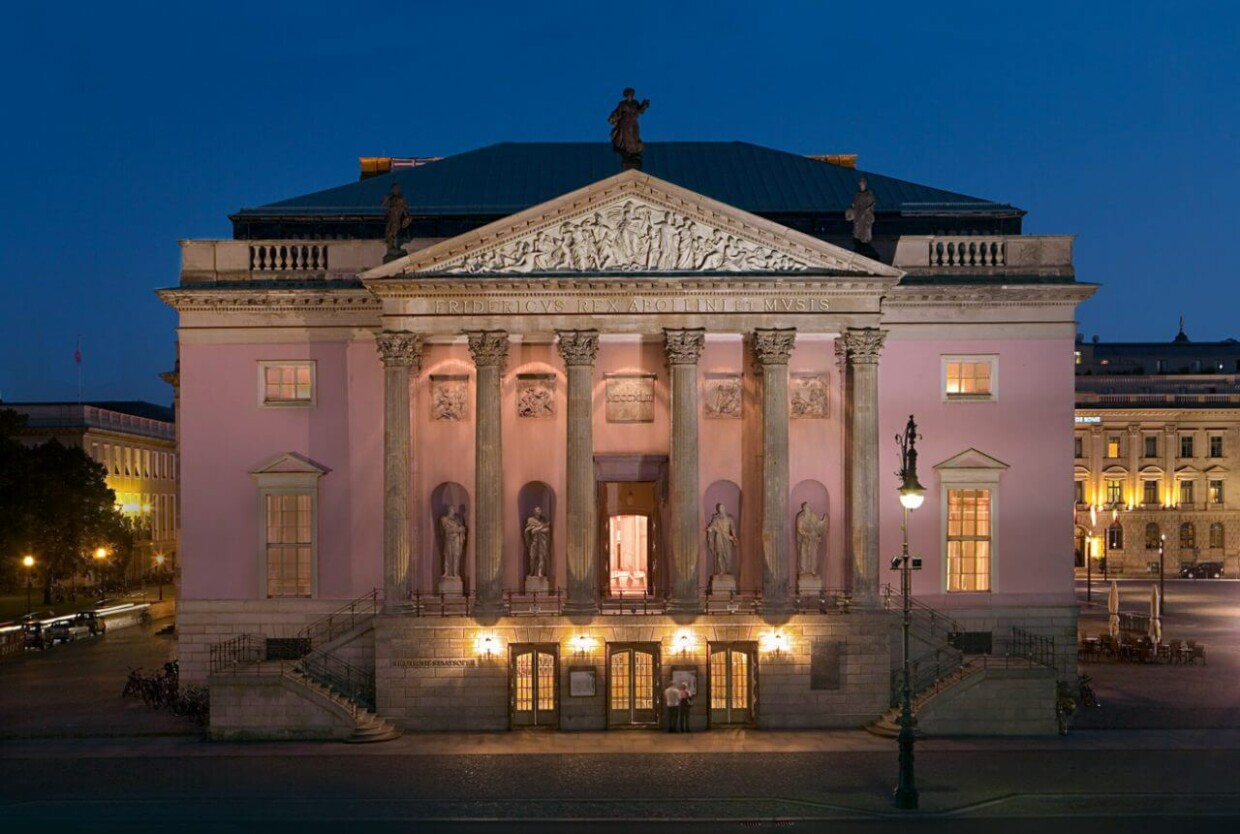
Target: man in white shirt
column 671, row 701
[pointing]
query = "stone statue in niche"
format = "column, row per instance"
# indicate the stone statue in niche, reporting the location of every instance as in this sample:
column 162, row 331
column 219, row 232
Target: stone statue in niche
column 721, row 540
column 808, row 397
column 452, row 527
column 395, row 220
column 630, row 399
column 810, row 528
column 449, row 398
column 861, row 212
column 538, row 542
column 723, row 397
column 535, row 396
column 626, row 138
column 629, row 235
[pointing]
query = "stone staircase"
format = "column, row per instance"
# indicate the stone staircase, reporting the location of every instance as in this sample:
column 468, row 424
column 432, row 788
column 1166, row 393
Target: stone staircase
column 369, row 727
column 887, row 725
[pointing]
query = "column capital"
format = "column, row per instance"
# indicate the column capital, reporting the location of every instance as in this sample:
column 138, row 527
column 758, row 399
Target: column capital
column 864, row 344
column 577, row 347
column 399, row 349
column 683, row 347
column 774, row 346
column 489, row 347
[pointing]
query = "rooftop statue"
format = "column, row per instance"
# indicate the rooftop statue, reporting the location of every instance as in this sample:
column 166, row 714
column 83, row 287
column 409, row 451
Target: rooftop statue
column 861, row 212
column 395, row 219
column 626, row 139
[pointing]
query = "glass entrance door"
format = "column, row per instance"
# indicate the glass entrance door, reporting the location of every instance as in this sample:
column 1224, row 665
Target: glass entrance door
column 629, row 555
column 633, row 685
column 733, row 683
column 533, row 674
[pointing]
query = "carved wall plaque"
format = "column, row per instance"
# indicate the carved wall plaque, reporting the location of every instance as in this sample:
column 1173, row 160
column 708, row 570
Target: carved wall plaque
column 449, row 397
column 630, row 398
column 535, row 395
column 807, row 396
column 722, row 397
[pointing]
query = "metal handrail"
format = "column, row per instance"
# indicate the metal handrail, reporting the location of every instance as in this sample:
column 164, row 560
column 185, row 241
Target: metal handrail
column 343, row 619
column 355, row 684
column 239, row 651
column 1032, row 647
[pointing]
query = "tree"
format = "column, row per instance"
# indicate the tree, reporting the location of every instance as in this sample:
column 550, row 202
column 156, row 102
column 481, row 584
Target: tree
column 56, row 505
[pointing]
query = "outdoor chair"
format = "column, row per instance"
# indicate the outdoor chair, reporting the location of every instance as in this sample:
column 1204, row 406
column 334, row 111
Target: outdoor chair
column 1195, row 652
column 1177, row 651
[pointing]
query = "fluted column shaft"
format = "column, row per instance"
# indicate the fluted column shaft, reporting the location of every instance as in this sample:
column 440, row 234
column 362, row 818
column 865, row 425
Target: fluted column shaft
column 683, row 347
column 863, row 345
column 401, row 353
column 579, row 348
column 771, row 349
column 490, row 352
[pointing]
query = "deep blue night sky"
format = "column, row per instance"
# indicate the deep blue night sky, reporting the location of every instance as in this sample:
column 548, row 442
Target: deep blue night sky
column 130, row 126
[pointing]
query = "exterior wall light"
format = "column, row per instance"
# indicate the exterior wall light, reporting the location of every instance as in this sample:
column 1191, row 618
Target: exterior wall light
column 775, row 642
column 582, row 644
column 486, row 645
column 683, row 642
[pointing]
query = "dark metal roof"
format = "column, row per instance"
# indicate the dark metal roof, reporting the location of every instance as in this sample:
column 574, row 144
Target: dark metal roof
column 511, row 176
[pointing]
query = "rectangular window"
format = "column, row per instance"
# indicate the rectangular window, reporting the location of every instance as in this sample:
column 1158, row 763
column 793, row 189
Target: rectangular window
column 286, row 383
column 1216, row 492
column 1115, row 493
column 968, row 540
column 1078, row 447
column 289, row 540
column 1113, row 446
column 1080, row 492
column 969, row 377
column 1150, row 494
column 1216, row 446
column 1151, row 445
column 1186, row 492
column 1186, row 445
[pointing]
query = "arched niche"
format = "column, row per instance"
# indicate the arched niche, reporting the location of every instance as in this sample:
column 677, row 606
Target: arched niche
column 729, row 495
column 815, row 494
column 444, row 497
column 531, row 496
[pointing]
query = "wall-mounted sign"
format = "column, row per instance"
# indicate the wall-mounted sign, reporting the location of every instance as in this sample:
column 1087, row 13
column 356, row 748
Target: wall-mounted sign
column 1088, row 419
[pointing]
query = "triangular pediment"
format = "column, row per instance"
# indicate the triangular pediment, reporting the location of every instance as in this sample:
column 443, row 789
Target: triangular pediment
column 632, row 223
column 290, row 463
column 971, row 459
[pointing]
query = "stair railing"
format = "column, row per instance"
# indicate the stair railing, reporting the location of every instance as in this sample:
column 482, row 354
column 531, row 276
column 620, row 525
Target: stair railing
column 342, row 620
column 351, row 682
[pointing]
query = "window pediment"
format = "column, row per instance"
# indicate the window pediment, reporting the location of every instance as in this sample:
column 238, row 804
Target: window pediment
column 289, row 469
column 970, row 466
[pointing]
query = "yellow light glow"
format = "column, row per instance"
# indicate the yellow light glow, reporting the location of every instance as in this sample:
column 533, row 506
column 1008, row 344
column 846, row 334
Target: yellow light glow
column 582, row 644
column 101, row 553
column 28, row 561
column 146, row 508
column 159, row 559
column 486, row 644
column 683, row 641
column 774, row 642
column 129, row 507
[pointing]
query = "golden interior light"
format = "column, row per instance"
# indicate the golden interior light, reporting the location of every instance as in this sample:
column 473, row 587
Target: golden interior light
column 28, row 561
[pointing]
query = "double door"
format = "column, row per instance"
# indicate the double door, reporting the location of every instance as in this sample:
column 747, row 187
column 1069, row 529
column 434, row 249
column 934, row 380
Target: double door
column 534, row 672
column 633, row 685
column 733, row 674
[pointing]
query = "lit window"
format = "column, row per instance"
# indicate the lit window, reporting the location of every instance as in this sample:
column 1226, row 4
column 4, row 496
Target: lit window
column 286, row 383
column 968, row 540
column 1186, row 492
column 1113, row 448
column 1188, row 536
column 1153, row 536
column 969, row 378
column 1216, row 492
column 1115, row 492
column 290, row 539
column 1150, row 494
column 1115, row 537
column 1077, row 356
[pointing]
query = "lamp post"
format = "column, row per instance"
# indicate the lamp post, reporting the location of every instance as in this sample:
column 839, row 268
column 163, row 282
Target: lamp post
column 1162, row 575
column 159, row 566
column 912, row 493
column 1089, row 554
column 28, row 563
column 101, row 554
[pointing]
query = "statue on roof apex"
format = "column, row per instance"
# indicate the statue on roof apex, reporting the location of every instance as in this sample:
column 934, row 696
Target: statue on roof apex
column 395, row 219
column 861, row 212
column 626, row 139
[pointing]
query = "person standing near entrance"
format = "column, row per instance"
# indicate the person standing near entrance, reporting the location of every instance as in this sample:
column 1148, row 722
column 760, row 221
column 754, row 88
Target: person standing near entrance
column 671, row 700
column 686, row 704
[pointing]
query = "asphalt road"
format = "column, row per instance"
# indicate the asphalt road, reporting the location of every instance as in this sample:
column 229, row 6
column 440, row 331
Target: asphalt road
column 1162, row 754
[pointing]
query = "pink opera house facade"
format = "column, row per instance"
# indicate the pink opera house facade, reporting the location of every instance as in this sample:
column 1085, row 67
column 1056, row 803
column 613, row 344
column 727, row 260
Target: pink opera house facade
column 555, row 450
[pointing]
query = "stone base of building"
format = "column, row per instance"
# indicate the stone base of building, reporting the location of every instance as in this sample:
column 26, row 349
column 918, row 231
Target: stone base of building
column 994, row 702
column 268, row 707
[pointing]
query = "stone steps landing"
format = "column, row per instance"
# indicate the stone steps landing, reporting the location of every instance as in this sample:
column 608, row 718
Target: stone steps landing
column 369, row 727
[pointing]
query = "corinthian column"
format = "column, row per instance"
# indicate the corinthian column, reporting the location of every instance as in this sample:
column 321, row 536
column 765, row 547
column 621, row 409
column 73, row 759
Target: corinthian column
column 772, row 348
column 401, row 353
column 579, row 348
column 863, row 345
column 683, row 347
column 490, row 352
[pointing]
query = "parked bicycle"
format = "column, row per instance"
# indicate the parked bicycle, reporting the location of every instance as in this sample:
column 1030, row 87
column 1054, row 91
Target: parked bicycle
column 1088, row 697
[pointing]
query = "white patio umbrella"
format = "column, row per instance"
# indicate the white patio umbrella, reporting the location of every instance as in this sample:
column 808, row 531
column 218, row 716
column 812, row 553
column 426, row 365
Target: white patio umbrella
column 1155, row 620
column 1113, row 610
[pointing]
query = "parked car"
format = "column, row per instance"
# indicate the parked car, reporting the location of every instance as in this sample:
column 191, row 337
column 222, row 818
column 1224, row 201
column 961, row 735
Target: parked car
column 34, row 636
column 66, row 631
column 1202, row 570
column 93, row 621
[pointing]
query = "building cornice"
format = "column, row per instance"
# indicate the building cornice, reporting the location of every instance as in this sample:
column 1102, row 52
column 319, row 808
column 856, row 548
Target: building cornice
column 269, row 300
column 987, row 295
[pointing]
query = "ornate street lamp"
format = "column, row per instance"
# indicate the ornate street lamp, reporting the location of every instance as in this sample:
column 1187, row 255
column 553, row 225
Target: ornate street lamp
column 28, row 563
column 912, row 494
column 101, row 554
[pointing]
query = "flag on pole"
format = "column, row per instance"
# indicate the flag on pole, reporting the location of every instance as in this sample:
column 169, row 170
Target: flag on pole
column 77, row 351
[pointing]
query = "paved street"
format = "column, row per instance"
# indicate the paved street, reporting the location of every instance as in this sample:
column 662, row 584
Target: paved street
column 1162, row 751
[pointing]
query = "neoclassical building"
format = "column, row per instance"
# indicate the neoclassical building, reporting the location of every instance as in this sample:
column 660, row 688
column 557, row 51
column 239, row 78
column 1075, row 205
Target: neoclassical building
column 589, row 430
column 1157, row 437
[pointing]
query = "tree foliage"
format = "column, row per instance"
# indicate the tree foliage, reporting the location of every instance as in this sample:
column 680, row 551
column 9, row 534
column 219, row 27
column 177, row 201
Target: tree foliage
column 55, row 505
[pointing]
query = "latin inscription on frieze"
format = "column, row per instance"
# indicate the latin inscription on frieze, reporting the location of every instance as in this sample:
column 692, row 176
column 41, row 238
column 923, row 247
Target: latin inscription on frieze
column 623, row 305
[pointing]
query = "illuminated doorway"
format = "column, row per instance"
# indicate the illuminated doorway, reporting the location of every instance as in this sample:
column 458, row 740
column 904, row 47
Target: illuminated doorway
column 633, row 684
column 628, row 561
column 533, row 673
column 733, row 683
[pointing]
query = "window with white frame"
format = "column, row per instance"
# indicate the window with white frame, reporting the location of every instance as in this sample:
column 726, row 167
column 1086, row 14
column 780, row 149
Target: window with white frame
column 970, row 377
column 1115, row 492
column 286, row 384
column 968, row 539
column 288, row 537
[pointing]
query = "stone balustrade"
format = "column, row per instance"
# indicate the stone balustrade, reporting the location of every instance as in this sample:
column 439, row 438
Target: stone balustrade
column 985, row 254
column 274, row 260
